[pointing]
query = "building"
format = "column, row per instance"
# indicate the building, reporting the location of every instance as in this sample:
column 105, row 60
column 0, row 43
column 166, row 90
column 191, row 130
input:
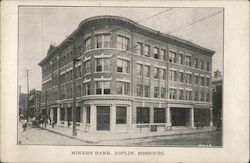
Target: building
column 129, row 78
column 34, row 103
column 23, row 111
column 217, row 99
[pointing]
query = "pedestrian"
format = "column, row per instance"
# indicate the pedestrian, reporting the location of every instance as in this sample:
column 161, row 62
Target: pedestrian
column 25, row 126
column 53, row 123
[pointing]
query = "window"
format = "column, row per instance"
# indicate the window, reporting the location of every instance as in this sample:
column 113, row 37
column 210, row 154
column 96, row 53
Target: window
column 156, row 73
column 142, row 115
column 122, row 88
column 87, row 88
column 87, row 66
column 196, row 94
column 87, row 114
column 156, row 92
column 122, row 66
column 102, row 64
column 139, row 48
column 122, row 43
column 202, row 64
column 62, row 114
column 189, row 78
column 196, row 63
column 159, row 115
column 163, row 54
column 202, row 95
column 87, row 44
column 207, row 97
column 78, row 114
column 202, row 81
column 139, row 90
column 180, row 58
column 187, row 60
column 208, row 82
column 102, row 41
column 196, row 79
column 156, row 53
column 139, row 69
column 208, row 66
column 181, row 92
column 172, row 75
column 102, row 87
column 181, row 77
column 146, row 91
column 172, row 56
column 147, row 50
column 188, row 95
column 147, row 71
column 121, row 115
column 172, row 93
column 163, row 92
column 163, row 74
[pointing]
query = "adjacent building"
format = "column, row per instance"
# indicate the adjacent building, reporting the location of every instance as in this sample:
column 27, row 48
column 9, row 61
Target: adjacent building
column 129, row 78
column 34, row 103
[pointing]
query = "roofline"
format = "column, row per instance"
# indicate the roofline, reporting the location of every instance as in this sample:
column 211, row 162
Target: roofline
column 135, row 25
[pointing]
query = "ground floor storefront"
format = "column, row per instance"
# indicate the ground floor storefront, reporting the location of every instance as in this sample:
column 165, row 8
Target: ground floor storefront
column 130, row 116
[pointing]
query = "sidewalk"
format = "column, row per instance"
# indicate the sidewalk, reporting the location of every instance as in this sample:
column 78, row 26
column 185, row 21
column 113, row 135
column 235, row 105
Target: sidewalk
column 104, row 137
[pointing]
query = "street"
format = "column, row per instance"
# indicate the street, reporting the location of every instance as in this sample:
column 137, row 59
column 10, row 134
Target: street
column 38, row 136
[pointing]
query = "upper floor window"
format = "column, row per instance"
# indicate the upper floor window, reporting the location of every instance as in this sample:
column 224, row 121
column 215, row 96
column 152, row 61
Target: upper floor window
column 207, row 96
column 87, row 66
column 139, row 90
column 172, row 75
column 122, row 66
column 180, row 58
column 188, row 95
column 102, row 64
column 122, row 88
column 172, row 56
column 139, row 69
column 102, row 87
column 196, row 79
column 147, row 50
column 208, row 82
column 202, row 81
column 102, row 41
column 187, row 60
column 147, row 71
column 172, row 93
column 122, row 42
column 163, row 74
column 196, row 63
column 181, row 77
column 163, row 92
column 156, row 73
column 156, row 53
column 163, row 54
column 202, row 64
column 87, row 44
column 196, row 93
column 181, row 93
column 189, row 78
column 208, row 66
column 156, row 92
column 146, row 91
column 139, row 48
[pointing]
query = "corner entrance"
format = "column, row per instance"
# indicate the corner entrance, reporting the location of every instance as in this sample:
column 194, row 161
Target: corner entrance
column 103, row 118
column 180, row 116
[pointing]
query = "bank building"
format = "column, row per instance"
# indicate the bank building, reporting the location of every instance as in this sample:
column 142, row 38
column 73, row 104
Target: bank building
column 128, row 78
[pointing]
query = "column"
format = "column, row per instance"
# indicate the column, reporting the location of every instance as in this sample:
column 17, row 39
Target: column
column 112, row 117
column 211, row 117
column 168, row 116
column 92, row 118
column 129, row 116
column 84, row 116
column 66, row 117
column 191, row 117
column 51, row 113
column 58, row 116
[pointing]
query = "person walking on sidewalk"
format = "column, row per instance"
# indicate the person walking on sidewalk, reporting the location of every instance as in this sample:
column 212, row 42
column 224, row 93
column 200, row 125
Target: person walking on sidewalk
column 53, row 123
column 25, row 125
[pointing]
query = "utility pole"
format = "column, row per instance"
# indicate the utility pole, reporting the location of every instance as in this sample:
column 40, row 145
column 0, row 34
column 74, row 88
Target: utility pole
column 28, row 92
column 74, row 92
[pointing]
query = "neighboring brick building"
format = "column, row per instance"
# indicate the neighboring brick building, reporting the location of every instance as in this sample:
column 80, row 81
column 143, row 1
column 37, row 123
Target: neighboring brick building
column 217, row 98
column 34, row 103
column 129, row 78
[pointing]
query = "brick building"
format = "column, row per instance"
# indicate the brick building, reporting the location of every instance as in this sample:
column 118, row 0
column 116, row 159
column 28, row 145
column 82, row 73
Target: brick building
column 34, row 103
column 129, row 78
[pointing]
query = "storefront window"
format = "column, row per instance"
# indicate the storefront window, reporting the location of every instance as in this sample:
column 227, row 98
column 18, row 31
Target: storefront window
column 121, row 115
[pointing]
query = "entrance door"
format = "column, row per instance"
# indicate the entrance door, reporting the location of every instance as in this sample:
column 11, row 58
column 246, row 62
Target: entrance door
column 103, row 118
column 55, row 115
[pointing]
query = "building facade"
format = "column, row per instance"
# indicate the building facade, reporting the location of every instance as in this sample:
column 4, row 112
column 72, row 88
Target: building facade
column 34, row 103
column 128, row 78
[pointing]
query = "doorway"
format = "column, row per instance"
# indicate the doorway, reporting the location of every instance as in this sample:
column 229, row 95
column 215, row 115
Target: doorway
column 103, row 118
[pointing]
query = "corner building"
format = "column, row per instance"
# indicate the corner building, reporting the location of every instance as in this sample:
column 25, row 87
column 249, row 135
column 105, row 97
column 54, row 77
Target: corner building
column 129, row 78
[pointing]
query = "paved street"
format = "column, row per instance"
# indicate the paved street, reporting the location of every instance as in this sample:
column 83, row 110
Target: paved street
column 43, row 137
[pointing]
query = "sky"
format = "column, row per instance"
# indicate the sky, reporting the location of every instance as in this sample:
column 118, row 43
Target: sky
column 41, row 26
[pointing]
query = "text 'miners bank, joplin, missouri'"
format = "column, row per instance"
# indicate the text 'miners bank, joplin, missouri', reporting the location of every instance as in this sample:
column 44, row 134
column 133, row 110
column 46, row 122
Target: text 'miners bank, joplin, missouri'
column 128, row 79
